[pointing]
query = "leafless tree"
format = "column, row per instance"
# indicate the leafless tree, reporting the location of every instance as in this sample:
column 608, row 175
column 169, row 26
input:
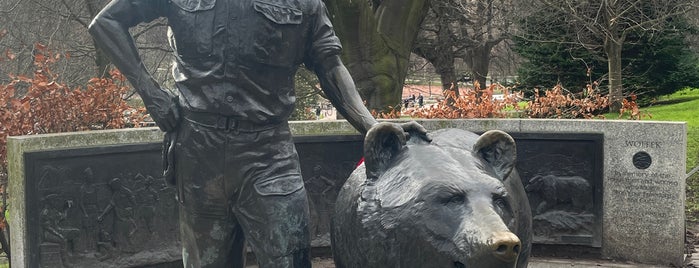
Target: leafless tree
column 62, row 26
column 464, row 29
column 605, row 24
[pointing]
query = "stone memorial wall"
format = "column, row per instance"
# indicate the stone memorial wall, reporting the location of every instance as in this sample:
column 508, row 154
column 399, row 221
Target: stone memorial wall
column 621, row 182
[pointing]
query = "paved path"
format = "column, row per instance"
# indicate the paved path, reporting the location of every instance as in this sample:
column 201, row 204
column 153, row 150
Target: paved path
column 534, row 263
column 537, row 262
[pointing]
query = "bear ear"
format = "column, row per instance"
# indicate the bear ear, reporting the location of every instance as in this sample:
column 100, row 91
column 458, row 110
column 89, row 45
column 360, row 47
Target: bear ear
column 383, row 141
column 497, row 148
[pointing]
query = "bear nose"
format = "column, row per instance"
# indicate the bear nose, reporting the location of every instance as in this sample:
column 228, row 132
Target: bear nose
column 505, row 246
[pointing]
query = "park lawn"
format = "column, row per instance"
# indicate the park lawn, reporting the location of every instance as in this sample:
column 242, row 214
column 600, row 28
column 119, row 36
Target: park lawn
column 682, row 106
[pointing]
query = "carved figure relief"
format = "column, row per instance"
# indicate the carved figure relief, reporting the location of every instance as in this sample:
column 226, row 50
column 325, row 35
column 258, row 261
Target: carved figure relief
column 54, row 234
column 148, row 198
column 89, row 209
column 321, row 193
column 105, row 244
column 121, row 205
column 325, row 166
column 89, row 220
column 570, row 192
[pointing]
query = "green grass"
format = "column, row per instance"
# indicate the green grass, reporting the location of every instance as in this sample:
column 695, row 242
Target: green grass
column 684, row 106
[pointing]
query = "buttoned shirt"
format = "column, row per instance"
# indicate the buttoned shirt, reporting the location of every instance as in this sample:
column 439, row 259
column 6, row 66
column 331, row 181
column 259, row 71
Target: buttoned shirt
column 238, row 58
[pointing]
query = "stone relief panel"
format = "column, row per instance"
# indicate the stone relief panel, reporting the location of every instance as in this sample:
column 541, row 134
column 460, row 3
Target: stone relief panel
column 326, row 162
column 101, row 208
column 562, row 176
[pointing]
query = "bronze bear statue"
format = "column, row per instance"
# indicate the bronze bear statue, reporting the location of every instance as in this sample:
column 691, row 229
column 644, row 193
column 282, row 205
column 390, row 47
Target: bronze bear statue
column 456, row 201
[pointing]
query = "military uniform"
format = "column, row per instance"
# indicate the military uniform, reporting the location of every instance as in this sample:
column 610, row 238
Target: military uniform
column 238, row 58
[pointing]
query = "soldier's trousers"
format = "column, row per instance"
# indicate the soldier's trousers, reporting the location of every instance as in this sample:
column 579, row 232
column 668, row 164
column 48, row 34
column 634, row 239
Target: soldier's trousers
column 237, row 186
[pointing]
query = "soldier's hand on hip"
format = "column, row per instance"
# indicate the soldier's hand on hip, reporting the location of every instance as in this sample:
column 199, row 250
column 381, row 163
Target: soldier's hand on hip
column 164, row 109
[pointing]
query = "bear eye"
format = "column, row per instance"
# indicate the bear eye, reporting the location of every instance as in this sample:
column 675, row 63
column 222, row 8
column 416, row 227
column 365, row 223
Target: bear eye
column 500, row 204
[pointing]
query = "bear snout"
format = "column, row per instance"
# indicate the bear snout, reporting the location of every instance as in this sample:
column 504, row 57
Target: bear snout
column 505, row 246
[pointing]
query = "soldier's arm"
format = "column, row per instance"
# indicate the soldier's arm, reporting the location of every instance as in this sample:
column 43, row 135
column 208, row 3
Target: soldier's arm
column 339, row 87
column 110, row 31
column 323, row 58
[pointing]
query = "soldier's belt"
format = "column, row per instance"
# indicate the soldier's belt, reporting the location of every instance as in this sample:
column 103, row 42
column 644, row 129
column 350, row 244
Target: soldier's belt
column 225, row 123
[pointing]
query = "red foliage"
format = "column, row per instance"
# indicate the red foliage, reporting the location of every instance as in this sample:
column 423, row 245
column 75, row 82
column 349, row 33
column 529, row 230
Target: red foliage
column 392, row 113
column 557, row 104
column 552, row 103
column 474, row 103
column 46, row 105
column 631, row 107
column 587, row 104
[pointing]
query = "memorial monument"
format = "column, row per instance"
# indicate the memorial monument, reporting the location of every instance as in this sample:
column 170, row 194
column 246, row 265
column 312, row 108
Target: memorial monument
column 639, row 201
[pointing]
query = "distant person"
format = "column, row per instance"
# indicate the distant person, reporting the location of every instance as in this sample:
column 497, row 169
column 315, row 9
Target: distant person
column 420, row 100
column 317, row 112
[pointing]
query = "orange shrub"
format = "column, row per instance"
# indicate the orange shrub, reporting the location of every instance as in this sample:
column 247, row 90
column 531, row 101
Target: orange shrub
column 631, row 107
column 474, row 103
column 41, row 103
column 392, row 113
column 555, row 103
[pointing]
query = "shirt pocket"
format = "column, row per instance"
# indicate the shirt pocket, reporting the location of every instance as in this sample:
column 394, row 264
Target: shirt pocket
column 279, row 38
column 192, row 25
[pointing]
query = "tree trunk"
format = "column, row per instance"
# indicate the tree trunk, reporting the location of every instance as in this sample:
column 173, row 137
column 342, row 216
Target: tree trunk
column 377, row 37
column 613, row 51
column 480, row 63
column 447, row 74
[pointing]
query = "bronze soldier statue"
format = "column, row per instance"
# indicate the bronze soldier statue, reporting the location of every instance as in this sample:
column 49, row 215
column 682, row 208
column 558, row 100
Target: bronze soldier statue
column 235, row 166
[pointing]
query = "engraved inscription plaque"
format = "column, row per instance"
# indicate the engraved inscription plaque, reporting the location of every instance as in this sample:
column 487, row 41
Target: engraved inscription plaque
column 644, row 196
